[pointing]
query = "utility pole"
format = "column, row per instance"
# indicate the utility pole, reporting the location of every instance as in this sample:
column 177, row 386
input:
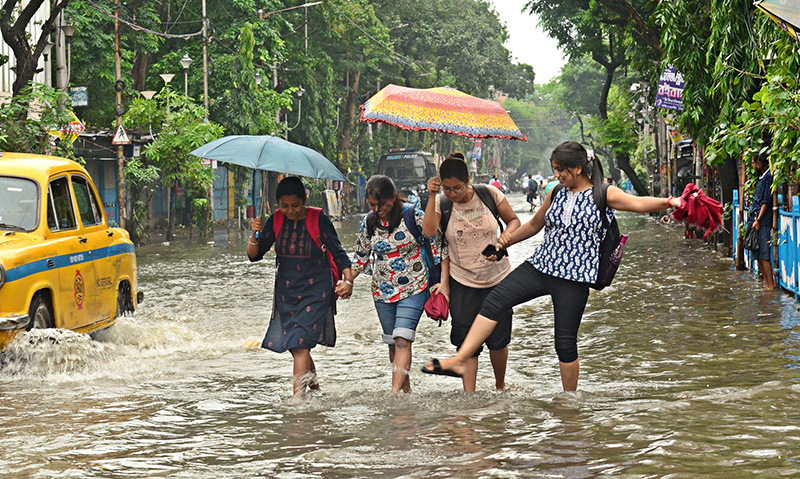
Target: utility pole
column 205, row 106
column 118, row 89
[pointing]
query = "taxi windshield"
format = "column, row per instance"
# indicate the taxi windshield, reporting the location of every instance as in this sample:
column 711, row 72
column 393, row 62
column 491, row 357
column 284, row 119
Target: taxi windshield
column 19, row 204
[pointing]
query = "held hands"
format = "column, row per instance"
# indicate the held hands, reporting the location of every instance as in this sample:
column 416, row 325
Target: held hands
column 504, row 241
column 344, row 288
column 434, row 186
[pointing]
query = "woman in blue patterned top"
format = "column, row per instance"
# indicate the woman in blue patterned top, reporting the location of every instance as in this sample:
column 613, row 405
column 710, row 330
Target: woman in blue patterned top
column 388, row 251
column 564, row 265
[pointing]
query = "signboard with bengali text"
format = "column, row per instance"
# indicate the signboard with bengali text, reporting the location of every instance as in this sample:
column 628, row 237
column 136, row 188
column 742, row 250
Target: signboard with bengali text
column 670, row 89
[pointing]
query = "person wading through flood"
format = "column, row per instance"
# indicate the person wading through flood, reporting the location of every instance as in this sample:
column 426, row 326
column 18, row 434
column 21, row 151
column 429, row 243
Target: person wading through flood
column 563, row 266
column 387, row 250
column 304, row 301
column 471, row 275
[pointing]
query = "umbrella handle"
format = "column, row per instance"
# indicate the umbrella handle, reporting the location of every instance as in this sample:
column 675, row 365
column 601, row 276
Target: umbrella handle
column 258, row 234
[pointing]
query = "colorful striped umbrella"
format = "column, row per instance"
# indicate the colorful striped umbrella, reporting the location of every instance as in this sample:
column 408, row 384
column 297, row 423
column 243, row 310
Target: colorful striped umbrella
column 442, row 109
column 785, row 14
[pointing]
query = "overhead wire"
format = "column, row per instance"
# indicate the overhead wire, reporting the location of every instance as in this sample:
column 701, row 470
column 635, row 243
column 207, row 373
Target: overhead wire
column 140, row 28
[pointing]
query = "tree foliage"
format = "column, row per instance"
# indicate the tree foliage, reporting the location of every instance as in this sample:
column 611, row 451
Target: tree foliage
column 27, row 119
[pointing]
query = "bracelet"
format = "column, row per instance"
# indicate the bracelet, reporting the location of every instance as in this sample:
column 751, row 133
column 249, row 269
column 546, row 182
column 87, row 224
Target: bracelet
column 348, row 282
column 251, row 243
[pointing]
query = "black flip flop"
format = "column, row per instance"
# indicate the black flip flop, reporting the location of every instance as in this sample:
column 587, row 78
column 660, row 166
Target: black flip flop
column 438, row 371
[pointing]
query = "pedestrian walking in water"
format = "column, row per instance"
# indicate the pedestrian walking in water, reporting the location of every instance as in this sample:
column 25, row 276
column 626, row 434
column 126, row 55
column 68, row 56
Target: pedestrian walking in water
column 471, row 275
column 563, row 266
column 388, row 250
column 304, row 303
column 760, row 218
column 532, row 186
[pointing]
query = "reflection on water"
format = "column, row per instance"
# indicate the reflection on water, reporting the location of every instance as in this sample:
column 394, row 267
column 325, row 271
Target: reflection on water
column 688, row 370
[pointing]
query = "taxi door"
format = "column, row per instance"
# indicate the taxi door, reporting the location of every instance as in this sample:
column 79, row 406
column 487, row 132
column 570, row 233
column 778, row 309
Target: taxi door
column 101, row 295
column 73, row 258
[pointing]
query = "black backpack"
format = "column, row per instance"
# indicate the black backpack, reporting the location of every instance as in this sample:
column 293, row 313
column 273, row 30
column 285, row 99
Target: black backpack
column 485, row 196
column 609, row 243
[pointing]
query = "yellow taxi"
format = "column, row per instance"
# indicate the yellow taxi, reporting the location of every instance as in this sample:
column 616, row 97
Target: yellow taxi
column 61, row 264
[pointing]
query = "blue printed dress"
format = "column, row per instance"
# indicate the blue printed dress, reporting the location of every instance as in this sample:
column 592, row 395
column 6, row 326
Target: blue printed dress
column 304, row 303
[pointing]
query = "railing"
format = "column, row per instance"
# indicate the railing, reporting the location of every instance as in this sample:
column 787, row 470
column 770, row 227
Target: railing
column 788, row 255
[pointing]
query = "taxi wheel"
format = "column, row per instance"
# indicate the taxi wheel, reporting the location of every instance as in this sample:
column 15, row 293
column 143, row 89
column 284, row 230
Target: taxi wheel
column 40, row 314
column 123, row 299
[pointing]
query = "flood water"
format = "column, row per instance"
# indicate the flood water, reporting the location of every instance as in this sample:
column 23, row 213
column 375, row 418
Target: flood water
column 688, row 370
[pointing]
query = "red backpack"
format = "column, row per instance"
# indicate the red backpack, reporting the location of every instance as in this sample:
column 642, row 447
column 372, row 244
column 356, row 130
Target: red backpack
column 312, row 225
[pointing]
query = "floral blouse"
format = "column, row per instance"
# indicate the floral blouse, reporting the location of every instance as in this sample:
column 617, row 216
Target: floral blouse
column 397, row 267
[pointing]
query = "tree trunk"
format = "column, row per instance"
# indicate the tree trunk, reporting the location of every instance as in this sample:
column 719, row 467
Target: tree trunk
column 350, row 121
column 624, row 163
column 140, row 69
column 729, row 181
column 16, row 36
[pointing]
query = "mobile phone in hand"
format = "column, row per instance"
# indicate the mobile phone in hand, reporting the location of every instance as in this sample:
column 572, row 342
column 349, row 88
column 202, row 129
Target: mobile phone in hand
column 491, row 250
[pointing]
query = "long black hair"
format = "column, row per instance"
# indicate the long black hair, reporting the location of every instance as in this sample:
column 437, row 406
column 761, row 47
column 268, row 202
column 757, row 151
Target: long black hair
column 571, row 154
column 381, row 189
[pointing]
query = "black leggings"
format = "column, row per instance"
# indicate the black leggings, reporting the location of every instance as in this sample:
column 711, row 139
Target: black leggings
column 526, row 283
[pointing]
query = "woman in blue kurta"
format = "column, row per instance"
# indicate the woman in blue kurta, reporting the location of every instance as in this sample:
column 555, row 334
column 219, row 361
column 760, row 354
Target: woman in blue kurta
column 304, row 303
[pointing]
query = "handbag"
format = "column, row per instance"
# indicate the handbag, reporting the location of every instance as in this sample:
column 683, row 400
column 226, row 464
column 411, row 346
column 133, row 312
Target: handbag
column 751, row 238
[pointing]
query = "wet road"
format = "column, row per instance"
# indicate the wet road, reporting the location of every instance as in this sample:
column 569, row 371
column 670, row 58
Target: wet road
column 688, row 370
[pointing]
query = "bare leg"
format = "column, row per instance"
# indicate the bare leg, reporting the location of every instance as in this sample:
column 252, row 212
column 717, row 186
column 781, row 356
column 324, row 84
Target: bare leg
column 569, row 375
column 313, row 382
column 302, row 367
column 470, row 375
column 481, row 328
column 402, row 362
column 765, row 268
column 499, row 360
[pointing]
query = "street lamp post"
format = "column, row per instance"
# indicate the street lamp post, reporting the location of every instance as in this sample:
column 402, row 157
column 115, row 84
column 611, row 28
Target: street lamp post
column 299, row 94
column 68, row 31
column 185, row 63
column 167, row 77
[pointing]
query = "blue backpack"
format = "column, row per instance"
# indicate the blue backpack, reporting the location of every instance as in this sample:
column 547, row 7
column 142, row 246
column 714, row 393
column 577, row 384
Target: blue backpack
column 432, row 262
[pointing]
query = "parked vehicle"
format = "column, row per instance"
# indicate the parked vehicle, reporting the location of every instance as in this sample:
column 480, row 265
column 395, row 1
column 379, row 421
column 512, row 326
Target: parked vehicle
column 410, row 170
column 61, row 264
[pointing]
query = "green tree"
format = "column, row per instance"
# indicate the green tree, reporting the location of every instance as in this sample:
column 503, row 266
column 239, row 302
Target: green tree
column 718, row 47
column 15, row 17
column 23, row 132
column 180, row 131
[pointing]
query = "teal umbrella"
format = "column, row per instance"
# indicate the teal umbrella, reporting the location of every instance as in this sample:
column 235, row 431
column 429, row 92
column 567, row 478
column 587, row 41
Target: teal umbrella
column 270, row 153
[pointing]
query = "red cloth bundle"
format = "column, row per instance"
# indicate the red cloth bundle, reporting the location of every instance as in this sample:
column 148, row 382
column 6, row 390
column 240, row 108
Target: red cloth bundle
column 437, row 307
column 699, row 210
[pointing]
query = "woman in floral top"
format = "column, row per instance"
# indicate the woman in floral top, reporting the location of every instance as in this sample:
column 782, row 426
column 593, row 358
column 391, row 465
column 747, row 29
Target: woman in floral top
column 388, row 251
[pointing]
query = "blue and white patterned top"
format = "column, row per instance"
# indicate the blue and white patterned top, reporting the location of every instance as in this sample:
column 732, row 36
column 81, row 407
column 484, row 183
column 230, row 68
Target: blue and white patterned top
column 573, row 230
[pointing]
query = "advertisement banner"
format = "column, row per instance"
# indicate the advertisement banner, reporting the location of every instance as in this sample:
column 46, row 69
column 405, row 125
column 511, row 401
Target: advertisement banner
column 670, row 89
